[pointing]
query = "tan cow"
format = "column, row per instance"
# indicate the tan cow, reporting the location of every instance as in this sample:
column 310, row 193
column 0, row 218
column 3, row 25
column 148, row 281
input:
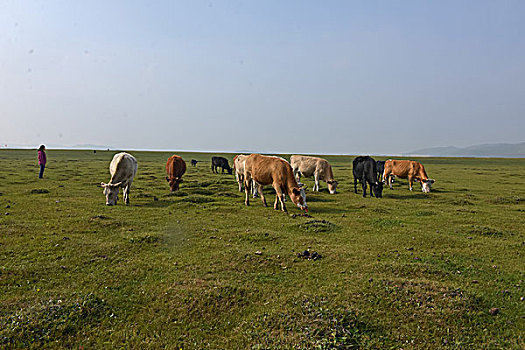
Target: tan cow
column 268, row 170
column 123, row 168
column 407, row 169
column 317, row 167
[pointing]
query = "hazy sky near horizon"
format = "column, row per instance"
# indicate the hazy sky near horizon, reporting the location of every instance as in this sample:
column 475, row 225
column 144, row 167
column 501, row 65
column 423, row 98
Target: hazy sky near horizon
column 351, row 77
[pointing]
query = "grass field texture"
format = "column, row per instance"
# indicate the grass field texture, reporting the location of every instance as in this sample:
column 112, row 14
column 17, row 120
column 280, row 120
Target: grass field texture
column 196, row 269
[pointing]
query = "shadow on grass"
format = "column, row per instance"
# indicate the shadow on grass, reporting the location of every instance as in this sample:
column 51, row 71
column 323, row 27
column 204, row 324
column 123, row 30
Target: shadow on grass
column 317, row 199
column 437, row 190
column 409, row 195
column 324, row 210
column 156, row 204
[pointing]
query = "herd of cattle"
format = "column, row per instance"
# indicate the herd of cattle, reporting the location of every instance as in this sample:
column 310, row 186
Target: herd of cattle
column 255, row 171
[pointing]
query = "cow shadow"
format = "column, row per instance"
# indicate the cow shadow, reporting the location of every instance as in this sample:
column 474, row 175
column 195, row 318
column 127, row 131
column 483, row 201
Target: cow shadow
column 406, row 196
column 436, row 190
column 324, row 210
column 161, row 203
column 317, row 199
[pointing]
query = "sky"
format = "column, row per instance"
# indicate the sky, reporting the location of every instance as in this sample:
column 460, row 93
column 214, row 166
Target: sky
column 296, row 76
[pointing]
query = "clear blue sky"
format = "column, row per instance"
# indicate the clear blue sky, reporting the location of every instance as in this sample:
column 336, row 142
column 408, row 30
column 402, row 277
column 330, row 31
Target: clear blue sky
column 351, row 77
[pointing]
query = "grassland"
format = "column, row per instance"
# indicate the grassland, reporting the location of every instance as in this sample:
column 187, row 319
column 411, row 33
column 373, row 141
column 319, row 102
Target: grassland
column 197, row 269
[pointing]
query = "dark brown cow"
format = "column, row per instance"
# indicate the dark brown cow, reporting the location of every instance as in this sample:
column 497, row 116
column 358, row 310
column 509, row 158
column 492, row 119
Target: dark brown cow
column 407, row 169
column 175, row 167
column 267, row 170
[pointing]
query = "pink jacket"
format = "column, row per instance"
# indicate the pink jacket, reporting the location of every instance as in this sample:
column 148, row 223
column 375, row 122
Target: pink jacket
column 42, row 158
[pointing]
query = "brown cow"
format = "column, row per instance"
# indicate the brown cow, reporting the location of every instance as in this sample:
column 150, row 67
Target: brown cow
column 266, row 170
column 175, row 167
column 407, row 169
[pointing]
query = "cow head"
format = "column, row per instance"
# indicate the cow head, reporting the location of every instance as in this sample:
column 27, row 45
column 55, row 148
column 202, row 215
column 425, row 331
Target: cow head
column 332, row 184
column 174, row 183
column 378, row 189
column 298, row 197
column 426, row 184
column 111, row 192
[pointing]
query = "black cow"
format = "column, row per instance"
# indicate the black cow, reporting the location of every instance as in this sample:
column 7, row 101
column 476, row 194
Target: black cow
column 365, row 170
column 220, row 162
column 194, row 162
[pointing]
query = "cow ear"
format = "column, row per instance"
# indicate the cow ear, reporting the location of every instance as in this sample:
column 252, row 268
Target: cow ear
column 102, row 184
column 432, row 181
column 296, row 190
column 167, row 179
column 180, row 179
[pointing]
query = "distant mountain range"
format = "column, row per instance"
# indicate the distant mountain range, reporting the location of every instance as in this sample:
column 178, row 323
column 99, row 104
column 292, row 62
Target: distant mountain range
column 57, row 146
column 504, row 150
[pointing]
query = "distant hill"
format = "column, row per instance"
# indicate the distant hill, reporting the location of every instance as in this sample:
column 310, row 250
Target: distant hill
column 510, row 150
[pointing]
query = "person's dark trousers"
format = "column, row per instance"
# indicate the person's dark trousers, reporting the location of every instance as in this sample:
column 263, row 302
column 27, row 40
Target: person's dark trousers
column 42, row 167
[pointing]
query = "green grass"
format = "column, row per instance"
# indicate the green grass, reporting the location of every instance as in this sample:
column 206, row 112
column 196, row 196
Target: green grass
column 180, row 270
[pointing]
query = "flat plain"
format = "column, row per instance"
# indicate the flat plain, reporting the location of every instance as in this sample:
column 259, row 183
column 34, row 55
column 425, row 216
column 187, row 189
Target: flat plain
column 197, row 269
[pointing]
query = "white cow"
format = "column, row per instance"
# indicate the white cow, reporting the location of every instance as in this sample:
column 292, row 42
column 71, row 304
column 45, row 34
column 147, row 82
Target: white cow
column 317, row 167
column 122, row 169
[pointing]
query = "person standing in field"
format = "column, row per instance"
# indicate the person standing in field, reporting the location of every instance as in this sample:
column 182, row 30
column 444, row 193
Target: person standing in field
column 42, row 159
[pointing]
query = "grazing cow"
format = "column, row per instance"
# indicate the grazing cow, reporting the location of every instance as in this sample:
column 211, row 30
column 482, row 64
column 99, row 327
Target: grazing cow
column 220, row 162
column 267, row 170
column 123, row 169
column 317, row 167
column 194, row 162
column 407, row 169
column 365, row 170
column 175, row 168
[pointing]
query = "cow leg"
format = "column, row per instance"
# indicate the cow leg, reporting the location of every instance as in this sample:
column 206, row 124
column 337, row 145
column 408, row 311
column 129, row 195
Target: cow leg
column 262, row 195
column 355, row 185
column 363, row 182
column 239, row 180
column 411, row 182
column 254, row 189
column 279, row 198
column 372, row 190
column 316, row 182
column 247, row 181
column 389, row 180
column 126, row 193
